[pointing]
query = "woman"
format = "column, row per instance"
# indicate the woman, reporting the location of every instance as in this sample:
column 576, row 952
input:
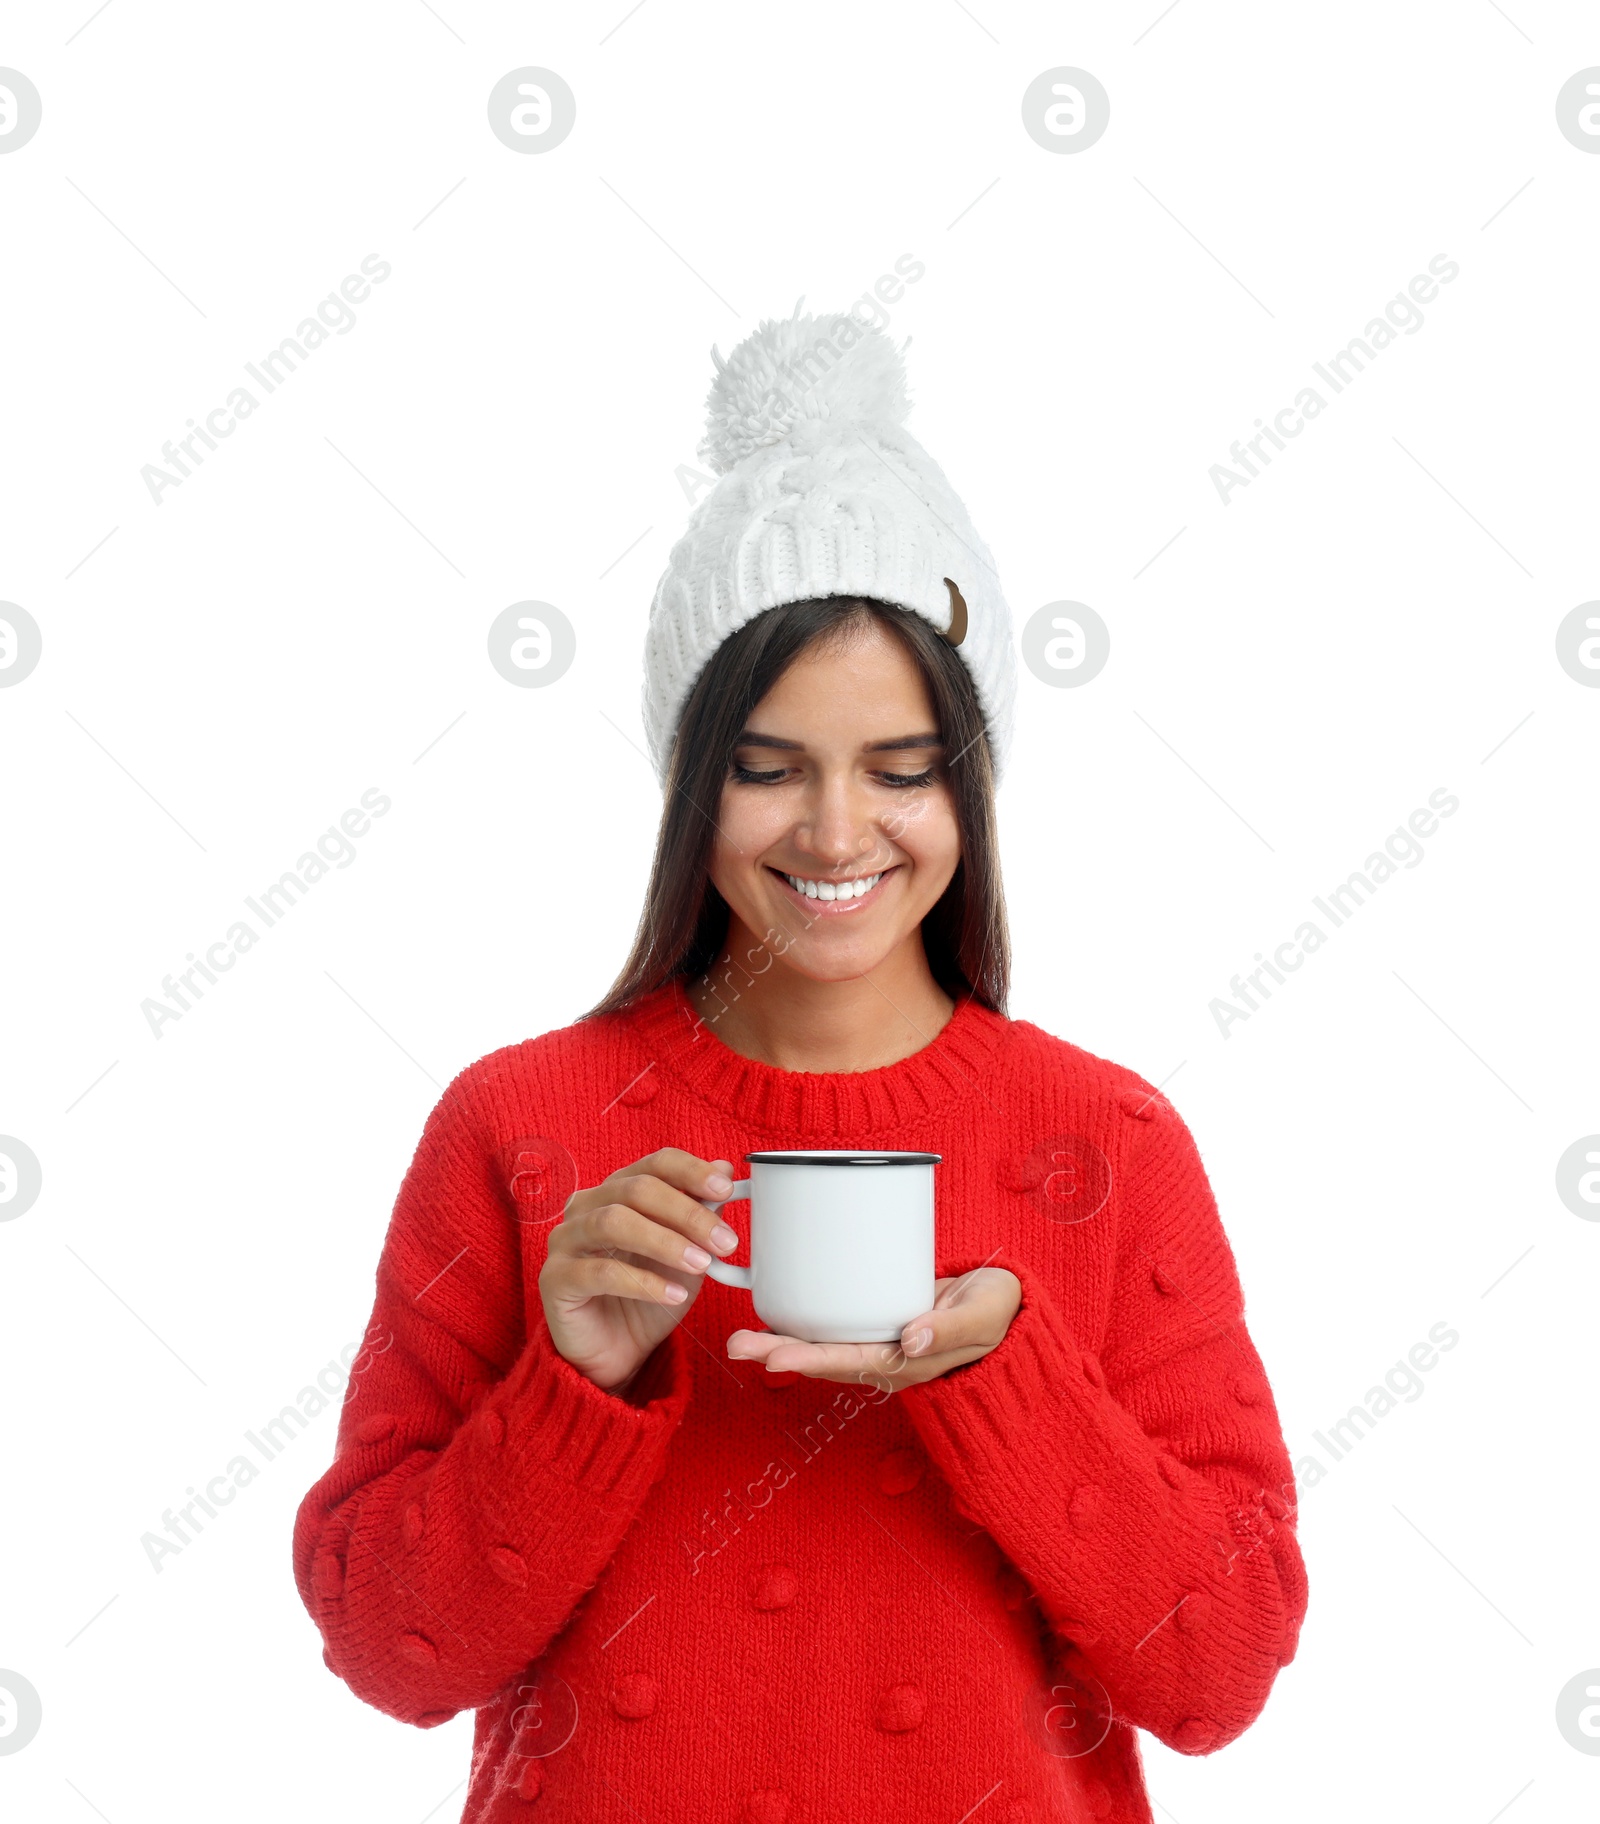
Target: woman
column 683, row 1568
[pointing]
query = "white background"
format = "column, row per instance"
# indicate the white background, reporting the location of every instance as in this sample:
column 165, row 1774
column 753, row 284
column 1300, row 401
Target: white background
column 305, row 618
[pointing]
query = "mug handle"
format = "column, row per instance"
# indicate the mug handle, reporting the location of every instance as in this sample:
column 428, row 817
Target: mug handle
column 722, row 1271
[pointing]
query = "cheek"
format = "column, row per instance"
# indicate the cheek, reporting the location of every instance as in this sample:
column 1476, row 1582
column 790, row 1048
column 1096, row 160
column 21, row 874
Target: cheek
column 931, row 836
column 747, row 827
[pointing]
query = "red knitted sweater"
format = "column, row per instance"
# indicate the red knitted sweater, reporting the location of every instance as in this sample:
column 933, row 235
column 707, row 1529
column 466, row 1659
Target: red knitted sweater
column 733, row 1597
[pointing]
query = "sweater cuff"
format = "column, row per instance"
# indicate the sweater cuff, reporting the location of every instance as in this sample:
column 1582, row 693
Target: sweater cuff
column 548, row 1421
column 1038, row 1396
column 978, row 1413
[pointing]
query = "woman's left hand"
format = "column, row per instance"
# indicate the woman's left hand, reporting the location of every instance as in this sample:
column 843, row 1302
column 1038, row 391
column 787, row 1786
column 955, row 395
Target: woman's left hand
column 970, row 1316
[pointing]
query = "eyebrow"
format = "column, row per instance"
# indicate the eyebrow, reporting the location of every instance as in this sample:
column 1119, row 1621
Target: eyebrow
column 750, row 738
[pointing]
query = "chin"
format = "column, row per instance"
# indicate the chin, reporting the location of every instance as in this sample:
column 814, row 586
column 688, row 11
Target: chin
column 840, row 968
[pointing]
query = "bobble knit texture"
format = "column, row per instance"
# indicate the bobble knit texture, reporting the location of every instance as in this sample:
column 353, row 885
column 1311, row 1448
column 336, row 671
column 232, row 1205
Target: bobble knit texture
column 734, row 1597
column 823, row 491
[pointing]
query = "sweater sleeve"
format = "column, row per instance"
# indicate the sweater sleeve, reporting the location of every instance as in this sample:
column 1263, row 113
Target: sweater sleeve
column 481, row 1483
column 1144, row 1493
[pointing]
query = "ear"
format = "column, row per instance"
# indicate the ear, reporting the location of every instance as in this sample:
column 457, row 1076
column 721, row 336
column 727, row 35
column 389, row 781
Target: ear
column 957, row 631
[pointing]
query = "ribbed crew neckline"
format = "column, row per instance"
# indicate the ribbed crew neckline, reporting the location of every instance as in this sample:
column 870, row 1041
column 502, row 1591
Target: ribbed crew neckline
column 824, row 1105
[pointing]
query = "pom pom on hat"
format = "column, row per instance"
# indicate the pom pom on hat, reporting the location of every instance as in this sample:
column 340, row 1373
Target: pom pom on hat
column 766, row 384
column 822, row 491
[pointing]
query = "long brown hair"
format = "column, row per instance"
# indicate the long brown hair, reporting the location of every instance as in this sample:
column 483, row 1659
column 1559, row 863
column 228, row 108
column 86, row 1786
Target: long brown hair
column 684, row 923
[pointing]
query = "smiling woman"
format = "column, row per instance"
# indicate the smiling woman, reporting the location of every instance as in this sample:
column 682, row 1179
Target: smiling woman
column 1054, row 1506
column 830, row 745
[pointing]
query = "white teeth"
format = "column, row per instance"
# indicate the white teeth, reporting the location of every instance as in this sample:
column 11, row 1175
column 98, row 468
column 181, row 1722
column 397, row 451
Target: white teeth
column 834, row 889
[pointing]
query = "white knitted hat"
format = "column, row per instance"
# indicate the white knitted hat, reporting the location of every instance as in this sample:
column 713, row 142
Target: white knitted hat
column 822, row 492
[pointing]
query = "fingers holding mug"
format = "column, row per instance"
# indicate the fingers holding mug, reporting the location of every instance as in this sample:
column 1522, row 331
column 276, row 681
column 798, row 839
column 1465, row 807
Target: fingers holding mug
column 970, row 1316
column 655, row 1208
column 971, row 1311
column 624, row 1263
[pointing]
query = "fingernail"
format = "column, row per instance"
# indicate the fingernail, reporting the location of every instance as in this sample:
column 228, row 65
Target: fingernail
column 723, row 1239
column 674, row 1294
column 919, row 1341
column 696, row 1259
column 718, row 1185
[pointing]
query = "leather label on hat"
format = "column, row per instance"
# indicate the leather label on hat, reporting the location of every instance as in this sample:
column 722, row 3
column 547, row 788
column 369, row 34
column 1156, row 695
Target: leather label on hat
column 957, row 630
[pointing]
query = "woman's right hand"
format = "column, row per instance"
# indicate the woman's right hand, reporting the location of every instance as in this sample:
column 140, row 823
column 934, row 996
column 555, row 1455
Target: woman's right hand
column 628, row 1258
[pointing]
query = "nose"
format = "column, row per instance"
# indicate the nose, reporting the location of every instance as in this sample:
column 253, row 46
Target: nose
column 838, row 826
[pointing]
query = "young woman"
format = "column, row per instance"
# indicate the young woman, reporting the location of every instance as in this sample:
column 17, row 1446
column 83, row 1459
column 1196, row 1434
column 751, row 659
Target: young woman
column 683, row 1568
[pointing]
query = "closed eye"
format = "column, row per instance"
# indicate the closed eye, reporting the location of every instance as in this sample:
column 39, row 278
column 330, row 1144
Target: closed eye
column 750, row 775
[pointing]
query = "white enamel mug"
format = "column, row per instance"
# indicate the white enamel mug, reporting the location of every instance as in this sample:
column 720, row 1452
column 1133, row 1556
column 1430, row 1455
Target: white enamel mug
column 841, row 1243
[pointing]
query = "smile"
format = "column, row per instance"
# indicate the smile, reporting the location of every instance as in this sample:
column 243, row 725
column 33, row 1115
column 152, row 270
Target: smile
column 835, row 896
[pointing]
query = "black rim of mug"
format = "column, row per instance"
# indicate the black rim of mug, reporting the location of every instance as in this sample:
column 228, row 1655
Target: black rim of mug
column 804, row 1158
